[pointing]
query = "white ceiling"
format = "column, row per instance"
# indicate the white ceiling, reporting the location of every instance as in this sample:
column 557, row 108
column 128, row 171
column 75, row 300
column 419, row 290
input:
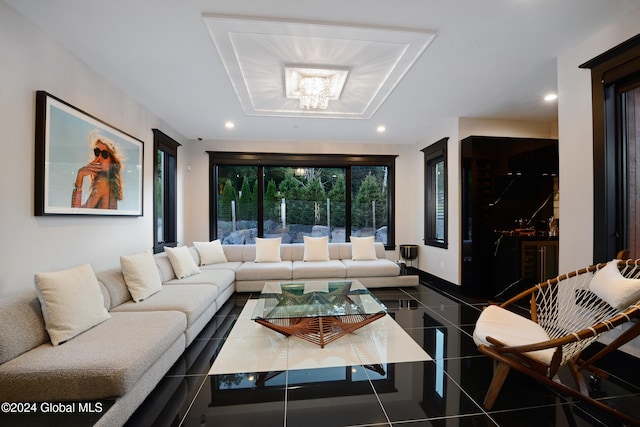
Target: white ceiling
column 489, row 59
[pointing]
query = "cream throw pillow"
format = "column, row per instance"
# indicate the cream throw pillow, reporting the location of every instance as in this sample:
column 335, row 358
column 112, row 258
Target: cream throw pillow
column 141, row 275
column 210, row 252
column 611, row 286
column 182, row 262
column 363, row 248
column 71, row 302
column 316, row 248
column 268, row 250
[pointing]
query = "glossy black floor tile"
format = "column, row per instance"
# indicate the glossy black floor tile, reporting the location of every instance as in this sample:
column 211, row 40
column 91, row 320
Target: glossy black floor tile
column 448, row 390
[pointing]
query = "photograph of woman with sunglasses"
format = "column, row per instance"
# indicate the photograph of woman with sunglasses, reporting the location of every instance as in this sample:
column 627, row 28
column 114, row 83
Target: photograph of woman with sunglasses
column 103, row 170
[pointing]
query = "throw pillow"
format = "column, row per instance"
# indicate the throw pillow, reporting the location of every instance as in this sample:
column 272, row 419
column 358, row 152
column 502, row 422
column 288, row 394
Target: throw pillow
column 210, row 252
column 141, row 275
column 611, row 286
column 182, row 262
column 316, row 248
column 363, row 248
column 268, row 250
column 71, row 302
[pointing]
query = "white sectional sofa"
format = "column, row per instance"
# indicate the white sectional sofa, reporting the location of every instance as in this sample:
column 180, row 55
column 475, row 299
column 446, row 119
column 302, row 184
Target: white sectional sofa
column 120, row 360
column 250, row 276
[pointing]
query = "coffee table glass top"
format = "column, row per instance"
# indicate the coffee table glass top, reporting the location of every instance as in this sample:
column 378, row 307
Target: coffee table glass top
column 299, row 299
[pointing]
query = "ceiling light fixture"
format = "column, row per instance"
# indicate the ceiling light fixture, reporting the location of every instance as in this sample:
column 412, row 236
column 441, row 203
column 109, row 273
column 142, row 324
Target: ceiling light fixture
column 381, row 129
column 551, row 97
column 313, row 86
column 229, row 125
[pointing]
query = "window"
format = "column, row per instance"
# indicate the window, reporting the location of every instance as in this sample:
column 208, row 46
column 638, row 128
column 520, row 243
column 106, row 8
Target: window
column 435, row 199
column 292, row 196
column 615, row 77
column 165, row 228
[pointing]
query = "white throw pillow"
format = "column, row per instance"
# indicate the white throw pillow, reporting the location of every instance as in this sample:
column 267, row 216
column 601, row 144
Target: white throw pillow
column 141, row 275
column 316, row 248
column 182, row 262
column 210, row 252
column 268, row 250
column 363, row 248
column 71, row 302
column 611, row 286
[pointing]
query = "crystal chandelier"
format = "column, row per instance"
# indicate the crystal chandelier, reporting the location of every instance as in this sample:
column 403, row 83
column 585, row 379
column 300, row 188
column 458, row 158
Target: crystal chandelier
column 314, row 93
column 314, row 87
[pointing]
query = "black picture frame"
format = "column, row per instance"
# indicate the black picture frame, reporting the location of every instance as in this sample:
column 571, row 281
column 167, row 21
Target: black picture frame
column 68, row 140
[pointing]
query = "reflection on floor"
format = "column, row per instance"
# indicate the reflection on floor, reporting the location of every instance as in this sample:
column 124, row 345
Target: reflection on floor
column 447, row 390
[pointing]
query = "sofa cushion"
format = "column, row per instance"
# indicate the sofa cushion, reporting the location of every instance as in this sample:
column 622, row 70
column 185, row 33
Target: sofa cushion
column 210, row 252
column 164, row 267
column 316, row 248
column 192, row 300
column 104, row 362
column 318, row 269
column 141, row 275
column 265, row 271
column 221, row 278
column 268, row 250
column 182, row 262
column 113, row 281
column 363, row 248
column 234, row 253
column 71, row 302
column 231, row 265
column 371, row 268
column 22, row 325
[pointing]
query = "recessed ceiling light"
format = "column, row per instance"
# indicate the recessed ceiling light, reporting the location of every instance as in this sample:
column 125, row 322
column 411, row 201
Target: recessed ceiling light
column 551, row 97
column 381, row 129
column 229, row 125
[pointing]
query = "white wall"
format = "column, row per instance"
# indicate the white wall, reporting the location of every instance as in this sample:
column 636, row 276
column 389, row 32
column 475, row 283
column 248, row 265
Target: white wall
column 444, row 263
column 576, row 139
column 197, row 179
column 32, row 61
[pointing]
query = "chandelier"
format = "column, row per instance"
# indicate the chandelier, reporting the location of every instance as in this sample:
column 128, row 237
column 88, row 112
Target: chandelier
column 314, row 87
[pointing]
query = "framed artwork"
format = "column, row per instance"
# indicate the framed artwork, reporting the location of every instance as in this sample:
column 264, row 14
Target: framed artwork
column 84, row 166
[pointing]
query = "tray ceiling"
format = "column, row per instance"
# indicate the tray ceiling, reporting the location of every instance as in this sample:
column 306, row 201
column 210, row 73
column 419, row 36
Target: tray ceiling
column 255, row 52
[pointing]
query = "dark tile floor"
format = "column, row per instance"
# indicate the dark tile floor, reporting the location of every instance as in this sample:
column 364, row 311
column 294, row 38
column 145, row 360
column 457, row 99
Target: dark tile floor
column 446, row 391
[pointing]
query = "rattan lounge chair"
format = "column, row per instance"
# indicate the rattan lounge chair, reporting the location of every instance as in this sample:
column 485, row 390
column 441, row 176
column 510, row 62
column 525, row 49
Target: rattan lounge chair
column 564, row 315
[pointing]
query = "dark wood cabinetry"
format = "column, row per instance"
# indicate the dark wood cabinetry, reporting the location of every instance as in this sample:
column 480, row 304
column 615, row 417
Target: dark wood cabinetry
column 507, row 200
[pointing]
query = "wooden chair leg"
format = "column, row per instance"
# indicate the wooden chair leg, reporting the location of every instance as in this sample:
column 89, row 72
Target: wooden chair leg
column 500, row 373
column 578, row 378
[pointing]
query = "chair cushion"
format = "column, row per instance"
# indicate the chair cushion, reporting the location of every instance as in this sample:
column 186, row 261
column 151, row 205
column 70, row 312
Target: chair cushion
column 611, row 286
column 512, row 330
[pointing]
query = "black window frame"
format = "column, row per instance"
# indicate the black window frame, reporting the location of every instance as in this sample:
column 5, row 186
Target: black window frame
column 220, row 158
column 166, row 144
column 609, row 72
column 434, row 154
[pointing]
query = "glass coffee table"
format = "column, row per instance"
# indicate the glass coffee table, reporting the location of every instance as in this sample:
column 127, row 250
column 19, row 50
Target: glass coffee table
column 317, row 311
